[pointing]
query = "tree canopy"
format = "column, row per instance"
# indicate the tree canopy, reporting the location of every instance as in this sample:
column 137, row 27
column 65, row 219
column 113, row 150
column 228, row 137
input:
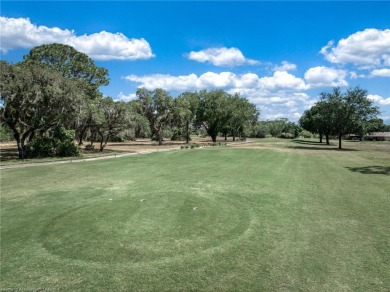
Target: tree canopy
column 57, row 87
column 70, row 63
column 340, row 113
column 157, row 107
column 35, row 99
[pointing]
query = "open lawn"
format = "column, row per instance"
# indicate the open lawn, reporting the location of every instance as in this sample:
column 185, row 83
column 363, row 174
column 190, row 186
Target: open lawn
column 272, row 215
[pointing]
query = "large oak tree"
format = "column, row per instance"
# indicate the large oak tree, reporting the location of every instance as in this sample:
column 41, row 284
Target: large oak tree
column 35, row 99
column 157, row 106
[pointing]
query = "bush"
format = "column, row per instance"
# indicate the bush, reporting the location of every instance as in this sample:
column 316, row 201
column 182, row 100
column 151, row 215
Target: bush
column 57, row 143
column 178, row 135
column 306, row 134
column 40, row 147
column 287, row 136
column 117, row 138
column 66, row 149
column 5, row 133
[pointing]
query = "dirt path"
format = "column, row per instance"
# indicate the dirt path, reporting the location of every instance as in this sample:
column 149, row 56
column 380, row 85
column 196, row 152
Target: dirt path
column 120, row 149
column 75, row 160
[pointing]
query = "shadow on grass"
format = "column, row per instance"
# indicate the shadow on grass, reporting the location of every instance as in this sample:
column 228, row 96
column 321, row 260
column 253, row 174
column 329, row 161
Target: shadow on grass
column 375, row 169
column 315, row 145
column 310, row 142
column 7, row 154
column 319, row 147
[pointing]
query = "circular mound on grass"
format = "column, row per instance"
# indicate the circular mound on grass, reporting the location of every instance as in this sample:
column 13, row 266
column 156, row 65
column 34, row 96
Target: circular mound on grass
column 130, row 229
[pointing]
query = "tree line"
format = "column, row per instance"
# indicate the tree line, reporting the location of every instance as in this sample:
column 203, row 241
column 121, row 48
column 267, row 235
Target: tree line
column 52, row 98
column 339, row 114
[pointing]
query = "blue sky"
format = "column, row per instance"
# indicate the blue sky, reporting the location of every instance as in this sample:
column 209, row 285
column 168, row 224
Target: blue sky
column 279, row 55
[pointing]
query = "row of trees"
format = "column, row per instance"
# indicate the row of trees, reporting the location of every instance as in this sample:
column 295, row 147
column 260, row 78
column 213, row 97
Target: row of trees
column 56, row 89
column 46, row 90
column 281, row 128
column 53, row 95
column 339, row 114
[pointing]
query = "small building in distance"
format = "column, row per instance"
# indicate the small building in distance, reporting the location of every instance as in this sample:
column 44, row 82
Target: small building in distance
column 379, row 136
column 352, row 137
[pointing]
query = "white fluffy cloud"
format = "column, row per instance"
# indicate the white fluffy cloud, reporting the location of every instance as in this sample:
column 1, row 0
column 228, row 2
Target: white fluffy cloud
column 281, row 80
column 224, row 57
column 384, row 72
column 279, row 95
column 124, row 97
column 21, row 33
column 285, row 66
column 367, row 49
column 355, row 75
column 325, row 77
column 379, row 99
column 167, row 82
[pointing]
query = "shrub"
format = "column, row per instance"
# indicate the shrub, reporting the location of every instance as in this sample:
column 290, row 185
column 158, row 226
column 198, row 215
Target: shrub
column 40, row 147
column 66, row 149
column 5, row 133
column 287, row 136
column 56, row 143
column 306, row 134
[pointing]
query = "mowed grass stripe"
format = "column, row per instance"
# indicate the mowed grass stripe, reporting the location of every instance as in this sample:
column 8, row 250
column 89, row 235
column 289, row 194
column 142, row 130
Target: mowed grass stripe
column 263, row 220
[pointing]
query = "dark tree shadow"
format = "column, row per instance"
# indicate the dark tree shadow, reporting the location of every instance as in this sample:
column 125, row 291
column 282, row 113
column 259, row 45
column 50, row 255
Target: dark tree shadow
column 7, row 154
column 315, row 145
column 374, row 169
column 306, row 142
column 329, row 148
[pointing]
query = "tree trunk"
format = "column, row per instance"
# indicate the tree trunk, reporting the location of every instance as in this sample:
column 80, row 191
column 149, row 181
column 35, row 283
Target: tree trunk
column 81, row 135
column 106, row 141
column 214, row 138
column 327, row 139
column 20, row 141
column 159, row 139
column 101, row 142
column 225, row 136
column 340, row 136
column 21, row 149
column 188, row 132
column 320, row 137
column 80, row 140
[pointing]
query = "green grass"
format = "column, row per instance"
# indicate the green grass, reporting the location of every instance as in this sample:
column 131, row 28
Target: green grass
column 225, row 219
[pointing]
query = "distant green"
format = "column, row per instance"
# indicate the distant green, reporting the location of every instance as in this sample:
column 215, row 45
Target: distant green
column 298, row 217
